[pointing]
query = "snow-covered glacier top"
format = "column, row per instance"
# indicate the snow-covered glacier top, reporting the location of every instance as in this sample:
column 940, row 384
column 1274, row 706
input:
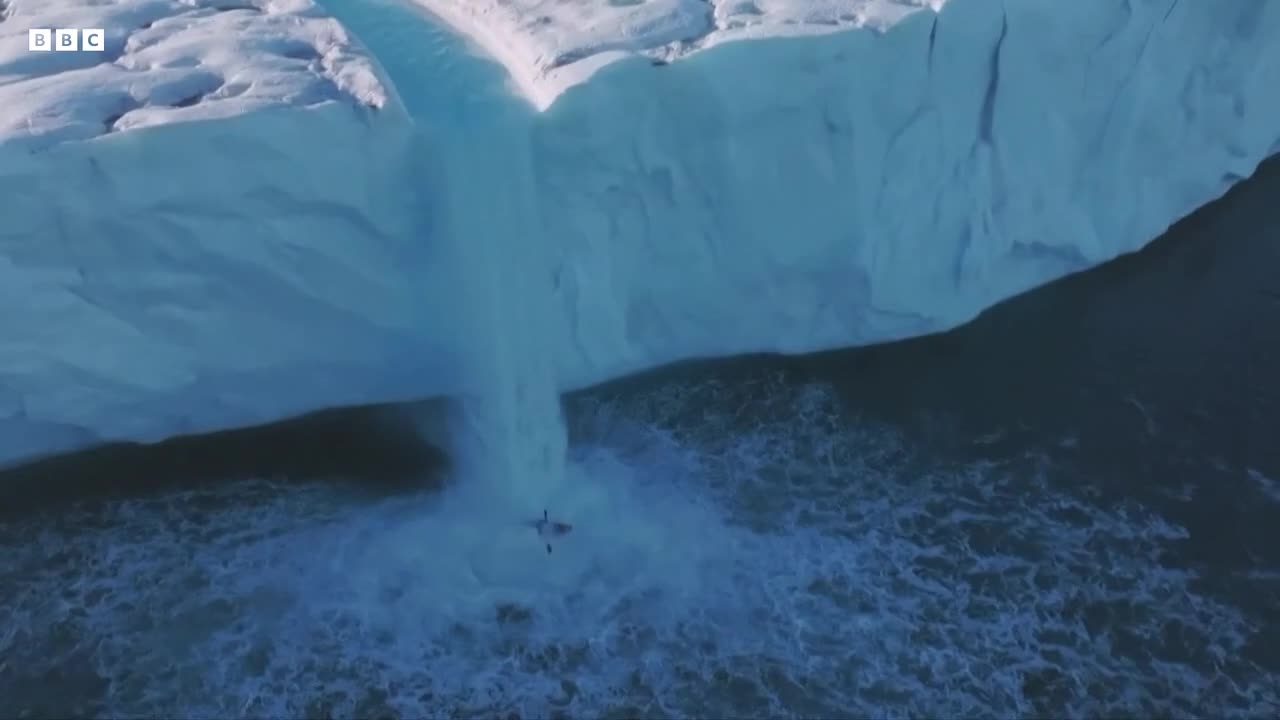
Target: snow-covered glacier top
column 172, row 60
column 549, row 45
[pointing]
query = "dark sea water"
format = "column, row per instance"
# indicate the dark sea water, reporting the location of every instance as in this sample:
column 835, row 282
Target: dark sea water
column 1068, row 508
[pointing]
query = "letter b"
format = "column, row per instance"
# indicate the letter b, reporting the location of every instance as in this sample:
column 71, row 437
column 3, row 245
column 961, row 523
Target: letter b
column 66, row 40
column 39, row 39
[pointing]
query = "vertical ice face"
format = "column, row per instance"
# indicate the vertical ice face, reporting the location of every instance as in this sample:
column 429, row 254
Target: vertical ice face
column 798, row 194
column 829, row 188
column 208, row 227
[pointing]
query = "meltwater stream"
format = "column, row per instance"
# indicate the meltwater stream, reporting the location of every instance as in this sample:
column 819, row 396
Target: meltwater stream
column 507, row 433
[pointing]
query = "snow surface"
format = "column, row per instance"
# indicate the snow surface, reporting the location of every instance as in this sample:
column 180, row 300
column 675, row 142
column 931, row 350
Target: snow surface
column 172, row 60
column 313, row 247
column 550, row 45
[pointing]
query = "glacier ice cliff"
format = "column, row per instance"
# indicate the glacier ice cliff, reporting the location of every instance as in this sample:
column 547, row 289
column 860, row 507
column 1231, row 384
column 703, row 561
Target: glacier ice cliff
column 208, row 228
column 797, row 194
column 202, row 229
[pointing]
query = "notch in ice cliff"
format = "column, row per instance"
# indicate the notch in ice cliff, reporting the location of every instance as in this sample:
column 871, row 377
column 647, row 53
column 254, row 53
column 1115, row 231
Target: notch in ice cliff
column 550, row 45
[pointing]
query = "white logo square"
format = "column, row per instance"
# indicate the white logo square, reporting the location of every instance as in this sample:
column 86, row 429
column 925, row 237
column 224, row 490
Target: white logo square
column 39, row 39
column 93, row 40
column 66, row 40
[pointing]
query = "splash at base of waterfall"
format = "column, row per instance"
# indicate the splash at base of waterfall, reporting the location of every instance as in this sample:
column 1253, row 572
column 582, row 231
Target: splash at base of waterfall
column 802, row 564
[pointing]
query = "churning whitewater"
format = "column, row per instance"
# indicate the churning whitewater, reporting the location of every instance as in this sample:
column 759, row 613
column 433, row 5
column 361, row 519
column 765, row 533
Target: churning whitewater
column 752, row 550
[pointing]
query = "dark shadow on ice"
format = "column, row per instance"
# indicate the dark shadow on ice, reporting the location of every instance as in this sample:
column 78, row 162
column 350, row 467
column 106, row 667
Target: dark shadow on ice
column 376, row 448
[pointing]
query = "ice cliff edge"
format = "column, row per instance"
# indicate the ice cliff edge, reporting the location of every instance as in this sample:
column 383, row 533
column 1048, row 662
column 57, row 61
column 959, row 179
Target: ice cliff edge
column 199, row 228
column 794, row 194
column 851, row 172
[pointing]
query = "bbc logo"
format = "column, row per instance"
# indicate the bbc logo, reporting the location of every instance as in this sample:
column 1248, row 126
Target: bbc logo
column 64, row 40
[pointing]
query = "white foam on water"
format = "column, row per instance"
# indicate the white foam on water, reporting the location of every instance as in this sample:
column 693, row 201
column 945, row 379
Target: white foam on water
column 771, row 559
column 1269, row 488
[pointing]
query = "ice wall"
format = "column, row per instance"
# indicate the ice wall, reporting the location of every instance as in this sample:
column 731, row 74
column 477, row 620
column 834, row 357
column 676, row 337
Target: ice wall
column 798, row 194
column 190, row 261
column 211, row 227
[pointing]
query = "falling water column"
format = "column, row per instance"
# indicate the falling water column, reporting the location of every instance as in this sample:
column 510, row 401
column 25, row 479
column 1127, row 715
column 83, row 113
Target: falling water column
column 508, row 430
